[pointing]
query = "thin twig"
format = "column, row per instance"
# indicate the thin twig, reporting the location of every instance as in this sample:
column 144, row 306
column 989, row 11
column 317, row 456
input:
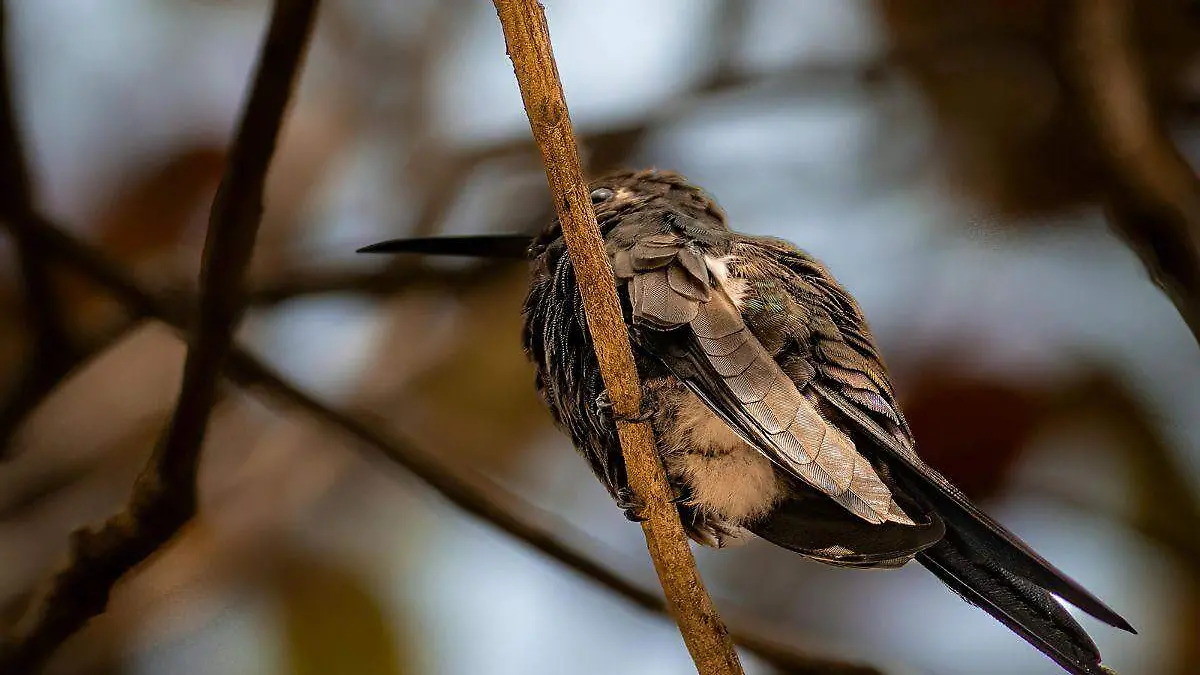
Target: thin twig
column 164, row 495
column 1154, row 201
column 459, row 485
column 528, row 40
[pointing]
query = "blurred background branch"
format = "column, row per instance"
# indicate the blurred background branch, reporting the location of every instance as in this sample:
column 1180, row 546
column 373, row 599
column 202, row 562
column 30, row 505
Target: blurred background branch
column 950, row 164
column 164, row 496
column 1154, row 201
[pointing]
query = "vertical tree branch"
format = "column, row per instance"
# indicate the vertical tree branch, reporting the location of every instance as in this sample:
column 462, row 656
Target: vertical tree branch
column 164, row 495
column 528, row 41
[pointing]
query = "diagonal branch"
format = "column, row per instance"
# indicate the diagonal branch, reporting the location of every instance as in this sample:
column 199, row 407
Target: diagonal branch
column 164, row 495
column 528, row 42
column 461, row 486
column 1154, row 199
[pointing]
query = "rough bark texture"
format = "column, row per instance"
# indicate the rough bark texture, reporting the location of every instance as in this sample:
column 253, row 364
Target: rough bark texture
column 528, row 42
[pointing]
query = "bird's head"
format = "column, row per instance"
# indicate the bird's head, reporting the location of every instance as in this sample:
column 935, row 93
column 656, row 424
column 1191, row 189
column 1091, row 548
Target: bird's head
column 616, row 198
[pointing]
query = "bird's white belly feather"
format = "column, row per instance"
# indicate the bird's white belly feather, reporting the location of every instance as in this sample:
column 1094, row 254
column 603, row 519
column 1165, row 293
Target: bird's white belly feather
column 728, row 478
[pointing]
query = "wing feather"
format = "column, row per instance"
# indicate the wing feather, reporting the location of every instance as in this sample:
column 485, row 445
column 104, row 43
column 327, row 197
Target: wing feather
column 852, row 378
column 697, row 331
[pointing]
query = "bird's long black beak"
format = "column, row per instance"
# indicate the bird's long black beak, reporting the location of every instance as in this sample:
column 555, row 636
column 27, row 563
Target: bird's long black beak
column 512, row 246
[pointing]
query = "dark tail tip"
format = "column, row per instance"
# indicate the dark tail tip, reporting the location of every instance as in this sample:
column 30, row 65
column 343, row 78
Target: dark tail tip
column 1025, row 608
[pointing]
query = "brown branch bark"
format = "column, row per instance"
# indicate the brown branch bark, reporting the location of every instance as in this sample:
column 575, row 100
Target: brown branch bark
column 1154, row 198
column 164, row 495
column 528, row 40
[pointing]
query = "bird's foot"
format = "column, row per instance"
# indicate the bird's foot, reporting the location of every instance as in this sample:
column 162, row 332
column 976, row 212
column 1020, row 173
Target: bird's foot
column 631, row 504
column 635, row 508
column 605, row 404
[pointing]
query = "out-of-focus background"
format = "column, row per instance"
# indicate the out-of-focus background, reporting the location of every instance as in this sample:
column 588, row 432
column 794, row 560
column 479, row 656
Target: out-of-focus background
column 930, row 153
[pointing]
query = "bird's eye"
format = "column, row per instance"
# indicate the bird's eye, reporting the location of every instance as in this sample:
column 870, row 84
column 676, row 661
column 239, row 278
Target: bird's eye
column 601, row 195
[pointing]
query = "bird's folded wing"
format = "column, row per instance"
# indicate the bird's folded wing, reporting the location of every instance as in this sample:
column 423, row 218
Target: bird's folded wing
column 694, row 328
column 851, row 377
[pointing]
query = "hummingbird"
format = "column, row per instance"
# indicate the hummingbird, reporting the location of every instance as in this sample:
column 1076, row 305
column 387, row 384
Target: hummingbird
column 772, row 409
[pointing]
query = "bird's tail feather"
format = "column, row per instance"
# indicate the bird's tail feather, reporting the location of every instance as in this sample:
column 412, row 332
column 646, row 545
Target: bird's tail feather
column 1027, row 609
